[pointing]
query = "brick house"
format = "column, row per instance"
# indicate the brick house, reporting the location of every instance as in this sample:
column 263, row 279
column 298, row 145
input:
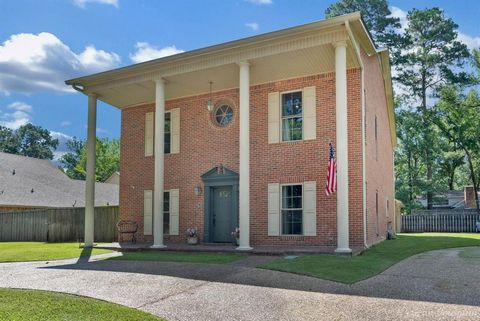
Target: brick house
column 238, row 134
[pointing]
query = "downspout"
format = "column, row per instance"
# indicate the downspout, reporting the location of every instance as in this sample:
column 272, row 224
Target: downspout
column 364, row 180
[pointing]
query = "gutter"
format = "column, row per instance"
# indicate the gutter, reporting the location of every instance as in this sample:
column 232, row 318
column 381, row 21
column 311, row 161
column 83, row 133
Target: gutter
column 364, row 181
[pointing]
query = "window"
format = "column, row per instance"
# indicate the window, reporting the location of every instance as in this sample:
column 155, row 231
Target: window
column 387, row 208
column 168, row 133
column 292, row 116
column 292, row 209
column 223, row 115
column 166, row 212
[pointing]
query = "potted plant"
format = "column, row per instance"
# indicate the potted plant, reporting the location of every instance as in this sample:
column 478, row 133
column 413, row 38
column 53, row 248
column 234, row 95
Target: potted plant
column 236, row 236
column 192, row 236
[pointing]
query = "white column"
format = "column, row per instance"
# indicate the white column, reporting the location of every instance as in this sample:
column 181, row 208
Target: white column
column 244, row 183
column 342, row 147
column 159, row 163
column 90, row 176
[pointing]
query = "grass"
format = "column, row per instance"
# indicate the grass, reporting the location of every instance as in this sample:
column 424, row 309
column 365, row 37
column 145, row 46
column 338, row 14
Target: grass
column 41, row 251
column 374, row 260
column 188, row 257
column 34, row 305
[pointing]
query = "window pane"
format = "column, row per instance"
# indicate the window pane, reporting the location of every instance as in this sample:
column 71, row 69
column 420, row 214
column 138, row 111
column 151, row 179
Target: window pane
column 166, row 147
column 166, row 223
column 292, row 104
column 292, row 128
column 291, row 196
column 291, row 222
column 166, row 212
column 166, row 201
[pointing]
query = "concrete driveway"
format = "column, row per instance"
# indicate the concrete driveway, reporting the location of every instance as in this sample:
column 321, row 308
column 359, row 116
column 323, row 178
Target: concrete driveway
column 438, row 285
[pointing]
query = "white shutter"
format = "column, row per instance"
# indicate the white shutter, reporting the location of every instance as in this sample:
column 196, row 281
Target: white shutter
column 273, row 117
column 310, row 208
column 174, row 211
column 147, row 212
column 309, row 113
column 175, row 130
column 273, row 209
column 149, row 117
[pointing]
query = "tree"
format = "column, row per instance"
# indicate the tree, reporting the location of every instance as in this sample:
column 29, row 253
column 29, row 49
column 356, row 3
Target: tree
column 107, row 159
column 377, row 17
column 430, row 59
column 28, row 140
column 8, row 141
column 70, row 160
column 458, row 117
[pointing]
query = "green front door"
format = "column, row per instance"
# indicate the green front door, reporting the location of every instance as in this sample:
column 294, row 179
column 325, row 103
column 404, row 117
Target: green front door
column 222, row 211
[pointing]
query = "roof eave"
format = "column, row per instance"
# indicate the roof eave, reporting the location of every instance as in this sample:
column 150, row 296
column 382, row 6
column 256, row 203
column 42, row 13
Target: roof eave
column 127, row 71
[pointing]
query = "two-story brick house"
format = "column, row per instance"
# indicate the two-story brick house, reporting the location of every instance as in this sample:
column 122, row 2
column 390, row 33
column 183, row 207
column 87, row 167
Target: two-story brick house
column 238, row 134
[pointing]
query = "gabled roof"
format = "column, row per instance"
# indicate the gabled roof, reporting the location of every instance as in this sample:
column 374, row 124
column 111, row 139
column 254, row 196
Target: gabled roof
column 32, row 182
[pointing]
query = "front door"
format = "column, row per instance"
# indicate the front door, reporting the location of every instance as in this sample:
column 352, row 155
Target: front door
column 222, row 214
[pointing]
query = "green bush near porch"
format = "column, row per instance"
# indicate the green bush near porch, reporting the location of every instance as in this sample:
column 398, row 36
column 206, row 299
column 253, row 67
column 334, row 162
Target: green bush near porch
column 347, row 269
column 187, row 257
column 42, row 251
column 34, row 305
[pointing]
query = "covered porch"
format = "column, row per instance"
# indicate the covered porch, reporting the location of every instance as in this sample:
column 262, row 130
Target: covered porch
column 312, row 49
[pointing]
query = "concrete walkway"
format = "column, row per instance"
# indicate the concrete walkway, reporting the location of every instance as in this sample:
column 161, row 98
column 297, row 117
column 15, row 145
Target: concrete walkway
column 438, row 285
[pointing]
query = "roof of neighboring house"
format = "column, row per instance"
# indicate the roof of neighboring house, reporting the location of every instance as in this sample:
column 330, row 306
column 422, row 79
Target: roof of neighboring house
column 114, row 178
column 32, row 182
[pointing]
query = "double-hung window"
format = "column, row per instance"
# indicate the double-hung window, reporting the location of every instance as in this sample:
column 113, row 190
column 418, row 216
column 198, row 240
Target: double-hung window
column 292, row 209
column 166, row 212
column 292, row 116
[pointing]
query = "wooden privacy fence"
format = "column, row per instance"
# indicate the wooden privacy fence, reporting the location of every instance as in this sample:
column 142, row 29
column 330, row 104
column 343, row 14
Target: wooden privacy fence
column 57, row 225
column 441, row 222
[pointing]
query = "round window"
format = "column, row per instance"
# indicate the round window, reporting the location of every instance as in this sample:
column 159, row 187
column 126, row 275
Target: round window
column 223, row 115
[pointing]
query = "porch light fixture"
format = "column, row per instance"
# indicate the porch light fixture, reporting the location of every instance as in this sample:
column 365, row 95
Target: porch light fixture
column 197, row 190
column 210, row 101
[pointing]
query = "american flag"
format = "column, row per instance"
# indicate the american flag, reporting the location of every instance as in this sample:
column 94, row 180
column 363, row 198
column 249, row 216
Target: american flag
column 331, row 186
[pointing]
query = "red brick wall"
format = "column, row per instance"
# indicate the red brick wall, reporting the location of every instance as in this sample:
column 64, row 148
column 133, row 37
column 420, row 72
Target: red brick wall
column 204, row 145
column 379, row 164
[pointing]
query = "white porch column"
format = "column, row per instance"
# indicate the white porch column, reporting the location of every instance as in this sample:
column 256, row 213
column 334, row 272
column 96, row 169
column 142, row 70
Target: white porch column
column 159, row 163
column 244, row 183
column 90, row 176
column 342, row 147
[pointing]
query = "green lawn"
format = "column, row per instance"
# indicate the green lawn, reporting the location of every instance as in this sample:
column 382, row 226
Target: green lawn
column 41, row 251
column 34, row 305
column 374, row 260
column 188, row 257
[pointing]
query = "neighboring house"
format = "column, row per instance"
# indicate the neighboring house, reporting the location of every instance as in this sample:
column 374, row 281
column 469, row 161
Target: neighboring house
column 238, row 134
column 27, row 183
column 113, row 179
column 452, row 199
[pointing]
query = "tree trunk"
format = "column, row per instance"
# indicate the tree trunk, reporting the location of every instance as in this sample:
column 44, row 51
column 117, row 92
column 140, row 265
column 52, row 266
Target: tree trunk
column 451, row 179
column 473, row 177
column 426, row 134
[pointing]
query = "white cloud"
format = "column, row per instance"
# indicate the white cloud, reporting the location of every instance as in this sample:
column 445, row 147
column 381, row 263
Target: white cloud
column 252, row 25
column 146, row 51
column 19, row 117
column 62, row 147
column 65, row 123
column 82, row 3
column 102, row 131
column 471, row 42
column 42, row 62
column 21, row 106
column 260, row 2
column 400, row 14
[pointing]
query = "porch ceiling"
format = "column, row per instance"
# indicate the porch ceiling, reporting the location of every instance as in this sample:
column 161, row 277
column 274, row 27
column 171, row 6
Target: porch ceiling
column 291, row 64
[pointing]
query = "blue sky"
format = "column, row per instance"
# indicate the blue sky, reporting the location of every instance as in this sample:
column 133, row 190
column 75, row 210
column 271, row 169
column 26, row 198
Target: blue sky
column 45, row 42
